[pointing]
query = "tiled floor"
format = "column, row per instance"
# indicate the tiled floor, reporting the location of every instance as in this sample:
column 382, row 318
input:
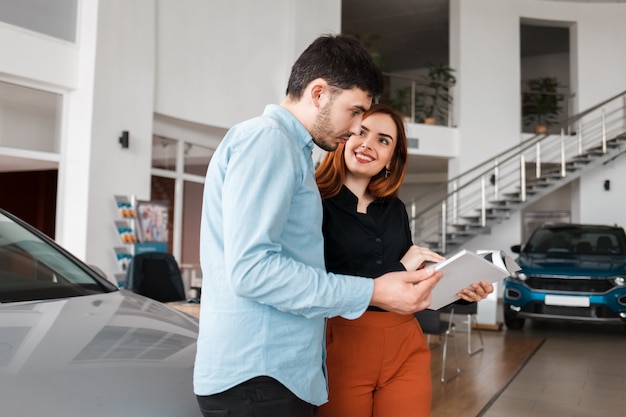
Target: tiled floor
column 579, row 371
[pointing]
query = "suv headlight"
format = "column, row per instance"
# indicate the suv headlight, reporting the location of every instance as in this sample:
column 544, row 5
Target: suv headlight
column 619, row 281
column 519, row 276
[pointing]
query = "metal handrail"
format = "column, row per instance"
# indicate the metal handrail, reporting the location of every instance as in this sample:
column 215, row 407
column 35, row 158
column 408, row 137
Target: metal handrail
column 464, row 196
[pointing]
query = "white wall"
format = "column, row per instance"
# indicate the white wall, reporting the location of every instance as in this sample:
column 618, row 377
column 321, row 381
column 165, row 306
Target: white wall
column 115, row 92
column 237, row 55
column 216, row 63
column 485, row 51
column 38, row 58
column 598, row 66
column 601, row 206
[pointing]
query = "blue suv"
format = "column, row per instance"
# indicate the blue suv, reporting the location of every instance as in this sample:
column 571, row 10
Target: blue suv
column 568, row 272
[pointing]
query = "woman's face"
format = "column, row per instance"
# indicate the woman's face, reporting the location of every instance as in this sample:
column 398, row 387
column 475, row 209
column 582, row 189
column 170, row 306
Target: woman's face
column 367, row 154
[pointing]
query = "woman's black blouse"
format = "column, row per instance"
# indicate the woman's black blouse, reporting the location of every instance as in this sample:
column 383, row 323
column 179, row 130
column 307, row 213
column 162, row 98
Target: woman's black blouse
column 364, row 244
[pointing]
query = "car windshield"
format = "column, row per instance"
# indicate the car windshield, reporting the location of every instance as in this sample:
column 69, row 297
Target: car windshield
column 32, row 268
column 599, row 241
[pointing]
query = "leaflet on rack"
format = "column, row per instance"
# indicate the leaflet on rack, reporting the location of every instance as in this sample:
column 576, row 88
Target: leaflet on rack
column 465, row 268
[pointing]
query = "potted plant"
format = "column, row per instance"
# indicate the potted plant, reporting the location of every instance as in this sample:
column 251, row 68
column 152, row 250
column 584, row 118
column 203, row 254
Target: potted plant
column 541, row 103
column 433, row 99
column 401, row 101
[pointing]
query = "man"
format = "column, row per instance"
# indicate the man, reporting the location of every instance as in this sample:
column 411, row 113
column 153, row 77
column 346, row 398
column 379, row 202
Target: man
column 265, row 291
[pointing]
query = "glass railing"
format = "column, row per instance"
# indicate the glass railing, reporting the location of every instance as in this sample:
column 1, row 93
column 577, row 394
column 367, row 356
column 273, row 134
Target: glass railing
column 419, row 101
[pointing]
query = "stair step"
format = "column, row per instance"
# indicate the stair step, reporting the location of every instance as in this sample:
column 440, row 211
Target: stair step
column 514, row 196
column 504, row 204
column 499, row 209
column 475, row 220
column 462, row 234
column 578, row 164
column 469, row 225
column 495, row 213
column 538, row 185
column 511, row 200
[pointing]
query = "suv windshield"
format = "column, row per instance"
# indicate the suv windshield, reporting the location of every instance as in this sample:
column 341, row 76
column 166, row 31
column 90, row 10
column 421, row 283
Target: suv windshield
column 32, row 268
column 587, row 240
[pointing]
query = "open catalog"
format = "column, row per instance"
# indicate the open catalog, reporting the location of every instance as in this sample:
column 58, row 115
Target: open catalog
column 465, row 268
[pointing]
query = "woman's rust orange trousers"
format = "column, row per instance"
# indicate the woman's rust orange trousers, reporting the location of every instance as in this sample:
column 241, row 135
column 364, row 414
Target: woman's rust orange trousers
column 378, row 366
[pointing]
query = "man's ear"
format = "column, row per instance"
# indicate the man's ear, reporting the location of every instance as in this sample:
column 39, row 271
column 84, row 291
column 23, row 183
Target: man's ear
column 317, row 88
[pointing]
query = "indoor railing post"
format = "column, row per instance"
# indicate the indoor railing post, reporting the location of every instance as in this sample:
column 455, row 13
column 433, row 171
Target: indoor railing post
column 603, row 132
column 443, row 226
column 496, row 173
column 413, row 101
column 580, row 137
column 483, row 202
column 538, row 160
column 563, row 172
column 522, row 177
column 455, row 203
column 624, row 110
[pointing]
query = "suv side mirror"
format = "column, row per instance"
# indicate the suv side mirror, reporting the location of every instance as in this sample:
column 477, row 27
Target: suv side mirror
column 516, row 248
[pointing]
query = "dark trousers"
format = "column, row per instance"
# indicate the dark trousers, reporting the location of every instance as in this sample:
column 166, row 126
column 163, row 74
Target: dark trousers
column 258, row 397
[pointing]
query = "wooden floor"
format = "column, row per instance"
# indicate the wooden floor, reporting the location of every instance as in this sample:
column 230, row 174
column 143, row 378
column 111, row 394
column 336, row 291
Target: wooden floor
column 483, row 375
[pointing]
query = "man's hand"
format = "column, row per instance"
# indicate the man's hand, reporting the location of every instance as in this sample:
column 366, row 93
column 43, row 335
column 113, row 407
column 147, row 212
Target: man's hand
column 405, row 292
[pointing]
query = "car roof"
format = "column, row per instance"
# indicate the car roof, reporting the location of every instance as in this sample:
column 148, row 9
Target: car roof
column 579, row 226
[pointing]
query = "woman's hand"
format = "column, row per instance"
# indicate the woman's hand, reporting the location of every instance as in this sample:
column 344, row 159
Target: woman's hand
column 477, row 292
column 415, row 257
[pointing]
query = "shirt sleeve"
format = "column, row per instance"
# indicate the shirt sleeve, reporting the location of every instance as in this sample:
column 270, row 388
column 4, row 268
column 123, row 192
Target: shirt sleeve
column 263, row 176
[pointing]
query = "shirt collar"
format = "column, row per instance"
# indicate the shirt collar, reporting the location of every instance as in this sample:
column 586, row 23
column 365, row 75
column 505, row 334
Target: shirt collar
column 287, row 119
column 345, row 196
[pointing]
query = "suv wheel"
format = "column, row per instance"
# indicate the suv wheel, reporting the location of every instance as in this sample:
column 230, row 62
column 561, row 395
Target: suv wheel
column 512, row 321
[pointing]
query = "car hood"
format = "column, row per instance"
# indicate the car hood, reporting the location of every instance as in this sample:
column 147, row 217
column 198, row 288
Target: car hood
column 114, row 354
column 572, row 265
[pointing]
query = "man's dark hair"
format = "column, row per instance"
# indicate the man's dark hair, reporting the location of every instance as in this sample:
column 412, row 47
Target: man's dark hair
column 341, row 60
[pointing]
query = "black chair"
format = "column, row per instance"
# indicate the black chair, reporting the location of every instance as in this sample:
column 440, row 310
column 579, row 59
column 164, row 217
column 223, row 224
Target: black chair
column 583, row 247
column 155, row 275
column 470, row 311
column 432, row 324
column 604, row 244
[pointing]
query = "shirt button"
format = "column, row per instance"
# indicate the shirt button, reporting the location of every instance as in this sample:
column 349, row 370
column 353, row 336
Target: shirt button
column 379, row 262
column 378, row 240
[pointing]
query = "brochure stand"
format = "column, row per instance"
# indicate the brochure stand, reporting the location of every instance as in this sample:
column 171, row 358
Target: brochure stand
column 142, row 227
column 126, row 231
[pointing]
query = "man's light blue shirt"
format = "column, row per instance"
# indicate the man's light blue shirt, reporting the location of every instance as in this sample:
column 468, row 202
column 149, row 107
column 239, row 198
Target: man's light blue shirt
column 265, row 291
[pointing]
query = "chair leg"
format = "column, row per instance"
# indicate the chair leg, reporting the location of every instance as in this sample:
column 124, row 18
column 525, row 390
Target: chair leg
column 471, row 319
column 449, row 333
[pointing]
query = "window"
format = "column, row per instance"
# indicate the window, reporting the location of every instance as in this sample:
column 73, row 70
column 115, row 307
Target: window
column 178, row 170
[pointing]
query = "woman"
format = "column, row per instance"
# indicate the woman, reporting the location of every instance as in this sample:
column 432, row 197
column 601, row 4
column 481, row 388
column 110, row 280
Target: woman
column 378, row 364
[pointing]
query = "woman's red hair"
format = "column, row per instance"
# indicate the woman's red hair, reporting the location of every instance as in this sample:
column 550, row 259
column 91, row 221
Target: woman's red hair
column 331, row 173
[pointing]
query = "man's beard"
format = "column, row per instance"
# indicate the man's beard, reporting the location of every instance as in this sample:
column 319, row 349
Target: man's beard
column 321, row 132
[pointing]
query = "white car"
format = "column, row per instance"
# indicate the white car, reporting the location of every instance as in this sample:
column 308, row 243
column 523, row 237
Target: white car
column 72, row 344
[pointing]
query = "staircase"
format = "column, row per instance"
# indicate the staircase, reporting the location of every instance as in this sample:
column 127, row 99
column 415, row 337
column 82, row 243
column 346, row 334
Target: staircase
column 471, row 203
